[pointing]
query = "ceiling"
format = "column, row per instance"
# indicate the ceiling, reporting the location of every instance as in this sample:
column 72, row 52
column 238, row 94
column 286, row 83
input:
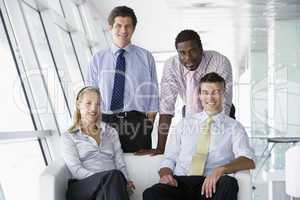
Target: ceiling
column 231, row 27
column 239, row 16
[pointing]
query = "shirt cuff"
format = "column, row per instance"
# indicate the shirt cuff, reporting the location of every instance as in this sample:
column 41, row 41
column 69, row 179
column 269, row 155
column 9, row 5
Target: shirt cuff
column 246, row 154
column 161, row 112
column 167, row 163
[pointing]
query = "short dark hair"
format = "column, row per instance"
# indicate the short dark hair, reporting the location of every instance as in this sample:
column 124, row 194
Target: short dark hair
column 212, row 77
column 122, row 11
column 187, row 35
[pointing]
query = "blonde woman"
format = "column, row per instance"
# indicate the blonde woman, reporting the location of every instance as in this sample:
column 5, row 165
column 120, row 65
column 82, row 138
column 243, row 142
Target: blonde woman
column 93, row 154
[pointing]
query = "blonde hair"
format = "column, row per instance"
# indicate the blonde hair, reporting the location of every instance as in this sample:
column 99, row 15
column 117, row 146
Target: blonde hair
column 77, row 117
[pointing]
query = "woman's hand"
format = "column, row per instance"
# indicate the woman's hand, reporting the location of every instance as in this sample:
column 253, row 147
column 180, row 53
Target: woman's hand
column 130, row 185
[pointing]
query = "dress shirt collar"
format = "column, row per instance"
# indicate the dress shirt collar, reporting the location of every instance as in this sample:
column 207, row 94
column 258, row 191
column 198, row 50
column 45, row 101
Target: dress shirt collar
column 115, row 49
column 101, row 125
column 215, row 117
column 218, row 118
column 201, row 67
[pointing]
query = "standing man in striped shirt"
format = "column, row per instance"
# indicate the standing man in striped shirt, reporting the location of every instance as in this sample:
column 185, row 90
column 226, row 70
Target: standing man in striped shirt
column 182, row 74
column 126, row 76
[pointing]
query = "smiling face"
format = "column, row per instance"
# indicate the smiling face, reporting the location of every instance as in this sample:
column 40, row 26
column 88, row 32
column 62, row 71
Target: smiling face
column 89, row 107
column 190, row 54
column 212, row 96
column 122, row 30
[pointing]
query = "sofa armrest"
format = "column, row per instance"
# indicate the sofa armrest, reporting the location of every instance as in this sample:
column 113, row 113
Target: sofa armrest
column 245, row 185
column 53, row 182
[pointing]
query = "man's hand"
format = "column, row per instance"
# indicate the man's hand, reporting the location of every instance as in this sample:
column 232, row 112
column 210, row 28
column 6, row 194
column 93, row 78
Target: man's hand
column 169, row 180
column 151, row 116
column 210, row 182
column 152, row 152
column 238, row 164
column 166, row 177
column 163, row 129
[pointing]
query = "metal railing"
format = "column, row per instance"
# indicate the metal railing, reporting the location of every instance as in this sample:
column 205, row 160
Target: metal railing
column 20, row 135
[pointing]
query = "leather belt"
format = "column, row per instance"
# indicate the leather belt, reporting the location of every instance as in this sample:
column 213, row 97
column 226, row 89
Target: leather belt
column 123, row 115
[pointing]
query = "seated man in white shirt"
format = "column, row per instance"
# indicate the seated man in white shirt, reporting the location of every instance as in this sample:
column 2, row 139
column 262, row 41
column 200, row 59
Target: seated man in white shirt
column 203, row 148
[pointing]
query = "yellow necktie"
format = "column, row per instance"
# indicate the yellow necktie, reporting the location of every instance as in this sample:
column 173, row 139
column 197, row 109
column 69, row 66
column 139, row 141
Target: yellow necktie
column 198, row 161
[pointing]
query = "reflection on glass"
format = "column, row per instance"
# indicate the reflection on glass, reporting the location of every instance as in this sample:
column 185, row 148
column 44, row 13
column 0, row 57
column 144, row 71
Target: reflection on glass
column 55, row 5
column 75, row 17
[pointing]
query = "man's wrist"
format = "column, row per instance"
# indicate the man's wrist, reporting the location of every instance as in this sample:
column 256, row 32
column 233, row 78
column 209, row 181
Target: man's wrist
column 151, row 116
column 222, row 169
column 165, row 171
column 160, row 148
column 161, row 144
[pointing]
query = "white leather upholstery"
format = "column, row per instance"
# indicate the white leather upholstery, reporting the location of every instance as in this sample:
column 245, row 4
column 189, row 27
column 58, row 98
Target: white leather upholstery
column 143, row 171
column 292, row 168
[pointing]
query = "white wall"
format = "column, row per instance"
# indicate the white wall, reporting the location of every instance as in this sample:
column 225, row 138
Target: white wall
column 155, row 29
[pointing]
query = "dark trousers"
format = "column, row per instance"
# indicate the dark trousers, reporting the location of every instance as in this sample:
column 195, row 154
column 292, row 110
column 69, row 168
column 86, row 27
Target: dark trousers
column 134, row 130
column 189, row 188
column 107, row 185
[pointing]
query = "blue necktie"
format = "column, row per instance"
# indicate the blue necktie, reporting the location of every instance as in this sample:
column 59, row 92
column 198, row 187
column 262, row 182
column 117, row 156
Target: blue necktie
column 117, row 100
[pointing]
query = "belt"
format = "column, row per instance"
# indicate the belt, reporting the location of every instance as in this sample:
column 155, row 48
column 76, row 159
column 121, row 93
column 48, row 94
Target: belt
column 123, row 115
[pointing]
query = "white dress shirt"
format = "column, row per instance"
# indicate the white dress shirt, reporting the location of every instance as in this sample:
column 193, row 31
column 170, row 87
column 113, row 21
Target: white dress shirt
column 174, row 77
column 84, row 157
column 229, row 140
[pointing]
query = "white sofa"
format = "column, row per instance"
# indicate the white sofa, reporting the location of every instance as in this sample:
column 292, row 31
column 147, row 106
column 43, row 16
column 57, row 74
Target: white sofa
column 292, row 168
column 143, row 170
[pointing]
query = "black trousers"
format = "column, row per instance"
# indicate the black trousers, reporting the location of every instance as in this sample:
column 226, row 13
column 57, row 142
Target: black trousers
column 107, row 185
column 134, row 129
column 189, row 188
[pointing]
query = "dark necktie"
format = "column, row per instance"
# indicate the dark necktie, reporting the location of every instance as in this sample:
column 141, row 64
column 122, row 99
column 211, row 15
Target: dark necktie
column 117, row 100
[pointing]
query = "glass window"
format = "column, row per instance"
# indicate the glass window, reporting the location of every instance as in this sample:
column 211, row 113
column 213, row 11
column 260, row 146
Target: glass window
column 73, row 15
column 79, row 38
column 12, row 102
column 1, row 193
column 94, row 26
column 38, row 4
column 48, row 68
column 31, row 2
column 55, row 5
column 72, row 66
column 83, row 52
column 21, row 165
